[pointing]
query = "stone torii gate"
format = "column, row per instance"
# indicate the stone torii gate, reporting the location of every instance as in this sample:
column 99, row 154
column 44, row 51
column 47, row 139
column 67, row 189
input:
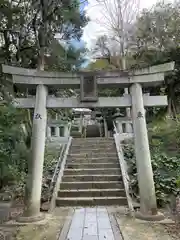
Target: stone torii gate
column 44, row 82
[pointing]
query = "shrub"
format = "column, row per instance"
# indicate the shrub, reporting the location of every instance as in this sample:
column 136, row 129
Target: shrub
column 13, row 151
column 166, row 172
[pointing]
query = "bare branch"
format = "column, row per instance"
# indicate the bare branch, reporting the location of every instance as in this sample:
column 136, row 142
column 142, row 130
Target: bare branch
column 117, row 17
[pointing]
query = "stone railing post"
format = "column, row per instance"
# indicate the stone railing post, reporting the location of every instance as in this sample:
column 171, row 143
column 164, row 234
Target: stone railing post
column 105, row 128
column 48, row 132
column 57, row 131
column 34, row 183
column 66, row 130
column 148, row 205
column 81, row 123
column 100, row 129
column 119, row 126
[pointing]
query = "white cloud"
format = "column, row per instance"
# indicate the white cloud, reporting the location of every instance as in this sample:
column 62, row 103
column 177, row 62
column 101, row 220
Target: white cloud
column 93, row 28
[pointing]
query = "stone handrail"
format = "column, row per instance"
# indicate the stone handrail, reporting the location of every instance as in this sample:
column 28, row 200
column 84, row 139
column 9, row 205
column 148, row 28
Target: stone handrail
column 85, row 131
column 124, row 172
column 58, row 164
column 69, row 129
column 54, row 178
column 83, row 134
column 60, row 174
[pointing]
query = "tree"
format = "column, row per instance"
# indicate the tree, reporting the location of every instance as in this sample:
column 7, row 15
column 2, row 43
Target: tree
column 158, row 28
column 117, row 19
column 28, row 28
column 157, row 40
column 63, row 59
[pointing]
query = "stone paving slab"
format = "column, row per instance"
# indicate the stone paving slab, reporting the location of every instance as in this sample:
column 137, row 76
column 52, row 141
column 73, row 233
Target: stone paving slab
column 96, row 225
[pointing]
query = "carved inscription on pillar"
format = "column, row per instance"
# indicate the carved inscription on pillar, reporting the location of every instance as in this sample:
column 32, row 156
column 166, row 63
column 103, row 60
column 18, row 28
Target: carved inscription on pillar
column 38, row 116
column 88, row 88
column 140, row 115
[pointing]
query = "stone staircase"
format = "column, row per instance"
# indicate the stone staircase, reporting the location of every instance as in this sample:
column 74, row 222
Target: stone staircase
column 92, row 174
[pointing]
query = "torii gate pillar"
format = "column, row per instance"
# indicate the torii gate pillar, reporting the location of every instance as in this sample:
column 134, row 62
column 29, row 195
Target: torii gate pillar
column 148, row 205
column 34, row 183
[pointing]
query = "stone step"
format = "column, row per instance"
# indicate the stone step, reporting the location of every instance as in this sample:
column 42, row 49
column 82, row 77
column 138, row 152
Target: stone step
column 92, row 150
column 92, row 171
column 92, row 193
column 92, row 154
column 86, row 178
column 91, row 201
column 92, row 142
column 92, row 145
column 91, row 184
column 91, row 139
column 91, row 165
column 92, row 160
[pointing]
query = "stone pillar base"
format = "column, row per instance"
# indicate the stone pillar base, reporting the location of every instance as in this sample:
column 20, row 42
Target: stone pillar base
column 32, row 219
column 158, row 217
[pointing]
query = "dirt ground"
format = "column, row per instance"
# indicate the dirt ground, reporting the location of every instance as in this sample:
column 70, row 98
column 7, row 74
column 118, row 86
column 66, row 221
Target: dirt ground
column 49, row 231
column 134, row 229
column 173, row 230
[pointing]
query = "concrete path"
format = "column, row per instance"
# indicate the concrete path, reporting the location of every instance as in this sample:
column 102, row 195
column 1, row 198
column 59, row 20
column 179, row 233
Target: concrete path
column 90, row 224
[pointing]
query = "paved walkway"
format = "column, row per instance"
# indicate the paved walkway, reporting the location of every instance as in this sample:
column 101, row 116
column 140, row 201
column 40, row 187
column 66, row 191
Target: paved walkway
column 90, row 224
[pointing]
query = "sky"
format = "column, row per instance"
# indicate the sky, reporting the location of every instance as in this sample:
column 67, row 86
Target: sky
column 93, row 29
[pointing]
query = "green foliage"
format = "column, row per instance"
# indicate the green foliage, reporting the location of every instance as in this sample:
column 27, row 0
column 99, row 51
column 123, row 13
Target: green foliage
column 165, row 134
column 30, row 26
column 51, row 157
column 50, row 160
column 166, row 172
column 178, row 182
column 13, row 151
column 157, row 38
column 65, row 60
column 99, row 64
